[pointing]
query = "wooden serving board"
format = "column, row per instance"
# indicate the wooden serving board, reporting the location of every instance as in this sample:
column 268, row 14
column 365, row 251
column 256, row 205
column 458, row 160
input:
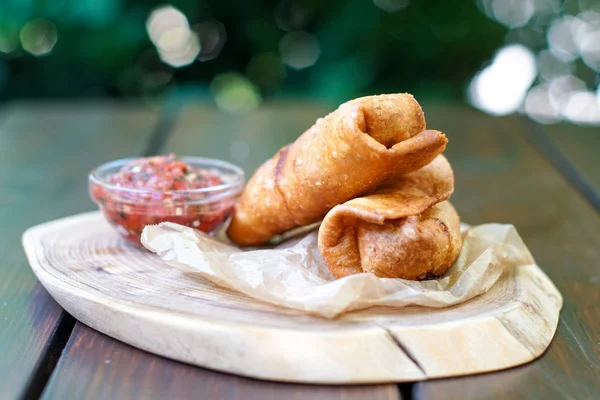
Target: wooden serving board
column 129, row 294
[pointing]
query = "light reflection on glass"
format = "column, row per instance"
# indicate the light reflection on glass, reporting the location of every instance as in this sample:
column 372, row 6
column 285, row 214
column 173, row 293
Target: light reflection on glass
column 38, row 36
column 234, row 93
column 500, row 88
column 299, row 49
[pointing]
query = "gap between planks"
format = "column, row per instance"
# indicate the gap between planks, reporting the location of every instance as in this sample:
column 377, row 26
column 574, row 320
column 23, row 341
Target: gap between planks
column 538, row 139
column 62, row 333
column 52, row 354
column 162, row 130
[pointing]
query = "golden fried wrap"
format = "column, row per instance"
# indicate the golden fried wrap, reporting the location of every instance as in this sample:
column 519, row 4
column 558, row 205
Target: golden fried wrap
column 405, row 229
column 344, row 155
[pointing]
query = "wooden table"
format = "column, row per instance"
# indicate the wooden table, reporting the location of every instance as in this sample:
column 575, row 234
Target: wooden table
column 543, row 179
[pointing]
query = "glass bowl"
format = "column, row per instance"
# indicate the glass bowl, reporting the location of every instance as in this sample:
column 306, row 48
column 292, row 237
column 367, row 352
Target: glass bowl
column 130, row 210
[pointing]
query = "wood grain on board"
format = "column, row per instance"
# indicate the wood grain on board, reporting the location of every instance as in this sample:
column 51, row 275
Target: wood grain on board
column 500, row 177
column 111, row 286
column 45, row 154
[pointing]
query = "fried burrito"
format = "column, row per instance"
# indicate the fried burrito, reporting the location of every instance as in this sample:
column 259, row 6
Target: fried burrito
column 406, row 229
column 347, row 154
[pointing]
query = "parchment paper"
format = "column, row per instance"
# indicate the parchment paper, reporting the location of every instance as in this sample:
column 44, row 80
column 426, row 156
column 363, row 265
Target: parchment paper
column 294, row 275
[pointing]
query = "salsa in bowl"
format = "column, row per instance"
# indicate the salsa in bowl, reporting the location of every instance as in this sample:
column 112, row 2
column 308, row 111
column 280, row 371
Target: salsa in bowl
column 192, row 191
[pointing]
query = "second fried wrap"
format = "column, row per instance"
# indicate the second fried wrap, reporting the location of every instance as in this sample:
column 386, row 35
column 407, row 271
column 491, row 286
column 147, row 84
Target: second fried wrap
column 406, row 229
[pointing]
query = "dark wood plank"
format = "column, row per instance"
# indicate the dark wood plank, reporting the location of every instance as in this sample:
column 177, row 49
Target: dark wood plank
column 45, row 154
column 580, row 144
column 98, row 367
column 246, row 140
column 574, row 150
column 500, row 177
column 83, row 371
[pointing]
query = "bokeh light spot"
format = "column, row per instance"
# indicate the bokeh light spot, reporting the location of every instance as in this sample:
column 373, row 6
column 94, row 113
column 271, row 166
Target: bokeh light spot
column 391, row 6
column 590, row 50
column 38, row 36
column 551, row 67
column 266, row 70
column 562, row 88
column 163, row 19
column 173, row 39
column 516, row 13
column 169, row 30
column 561, row 38
column 234, row 93
column 183, row 54
column 3, row 73
column 500, row 88
column 292, row 15
column 212, row 37
column 513, row 13
column 299, row 49
column 156, row 79
column 547, row 7
column 9, row 39
column 582, row 108
column 539, row 106
column 485, row 6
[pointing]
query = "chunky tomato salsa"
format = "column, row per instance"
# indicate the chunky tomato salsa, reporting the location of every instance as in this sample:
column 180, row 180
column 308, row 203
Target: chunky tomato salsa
column 152, row 190
column 164, row 174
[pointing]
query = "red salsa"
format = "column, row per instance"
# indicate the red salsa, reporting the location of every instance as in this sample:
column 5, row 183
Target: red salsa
column 164, row 174
column 152, row 190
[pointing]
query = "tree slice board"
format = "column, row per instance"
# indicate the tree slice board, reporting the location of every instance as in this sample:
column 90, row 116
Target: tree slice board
column 129, row 294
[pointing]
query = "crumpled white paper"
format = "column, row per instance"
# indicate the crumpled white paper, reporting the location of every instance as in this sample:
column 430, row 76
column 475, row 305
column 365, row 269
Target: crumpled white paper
column 294, row 275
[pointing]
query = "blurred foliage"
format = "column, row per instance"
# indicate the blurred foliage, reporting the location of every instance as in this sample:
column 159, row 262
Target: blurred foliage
column 346, row 48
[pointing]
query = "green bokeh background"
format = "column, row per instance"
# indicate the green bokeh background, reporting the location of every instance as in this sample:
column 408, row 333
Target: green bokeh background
column 429, row 48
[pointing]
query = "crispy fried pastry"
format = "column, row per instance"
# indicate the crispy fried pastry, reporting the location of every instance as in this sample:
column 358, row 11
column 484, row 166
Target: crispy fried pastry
column 406, row 229
column 348, row 153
